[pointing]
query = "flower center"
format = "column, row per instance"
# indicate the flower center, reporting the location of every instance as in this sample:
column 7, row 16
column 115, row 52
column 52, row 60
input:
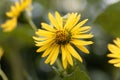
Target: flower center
column 62, row 37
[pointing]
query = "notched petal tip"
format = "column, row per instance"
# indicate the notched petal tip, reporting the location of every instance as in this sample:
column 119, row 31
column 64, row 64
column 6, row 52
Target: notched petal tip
column 113, row 48
column 42, row 23
column 108, row 55
column 117, row 65
column 49, row 14
column 110, row 62
column 110, row 45
column 91, row 42
column 56, row 12
column 46, row 62
column 33, row 37
column 87, row 52
column 37, row 51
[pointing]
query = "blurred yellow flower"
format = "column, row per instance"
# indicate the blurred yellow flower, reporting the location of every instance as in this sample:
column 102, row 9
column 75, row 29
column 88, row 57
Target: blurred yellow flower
column 60, row 36
column 14, row 13
column 1, row 52
column 115, row 52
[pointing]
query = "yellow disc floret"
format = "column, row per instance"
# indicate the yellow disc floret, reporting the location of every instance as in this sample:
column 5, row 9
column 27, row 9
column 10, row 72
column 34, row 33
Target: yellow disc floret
column 62, row 37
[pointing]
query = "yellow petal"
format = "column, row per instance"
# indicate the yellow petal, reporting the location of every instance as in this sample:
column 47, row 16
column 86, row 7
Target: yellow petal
column 49, row 58
column 44, row 42
column 14, row 12
column 64, row 63
column 13, row 8
column 69, row 21
column 52, row 56
column 17, row 5
column 81, row 42
column 59, row 20
column 64, row 54
column 48, row 27
column 117, row 65
column 85, row 29
column 75, row 21
column 69, row 58
column 10, row 14
column 39, row 38
column 25, row 4
column 113, row 55
column 83, row 36
column 117, row 42
column 73, row 52
column 79, row 25
column 9, row 25
column 55, row 54
column 47, row 51
column 53, row 21
column 84, row 49
column 113, row 48
column 45, row 33
column 44, row 47
column 113, row 61
column 18, row 8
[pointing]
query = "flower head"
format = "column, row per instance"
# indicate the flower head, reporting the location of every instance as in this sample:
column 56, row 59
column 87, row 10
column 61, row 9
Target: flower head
column 114, row 52
column 14, row 13
column 60, row 35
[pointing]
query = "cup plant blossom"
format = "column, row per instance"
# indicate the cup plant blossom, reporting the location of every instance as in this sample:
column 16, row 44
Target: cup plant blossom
column 58, row 42
column 61, row 36
column 114, row 52
column 14, row 13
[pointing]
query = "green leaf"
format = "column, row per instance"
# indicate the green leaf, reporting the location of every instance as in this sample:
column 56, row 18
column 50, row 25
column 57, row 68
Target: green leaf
column 19, row 37
column 110, row 19
column 78, row 74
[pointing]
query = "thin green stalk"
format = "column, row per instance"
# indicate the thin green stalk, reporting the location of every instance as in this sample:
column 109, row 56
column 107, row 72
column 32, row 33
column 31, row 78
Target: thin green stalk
column 32, row 24
column 61, row 70
column 2, row 74
column 59, row 65
column 117, row 74
column 29, row 19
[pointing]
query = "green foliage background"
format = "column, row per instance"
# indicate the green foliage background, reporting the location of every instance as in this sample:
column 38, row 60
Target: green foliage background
column 20, row 60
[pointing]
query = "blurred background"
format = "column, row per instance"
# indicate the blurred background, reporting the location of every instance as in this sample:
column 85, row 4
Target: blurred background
column 20, row 60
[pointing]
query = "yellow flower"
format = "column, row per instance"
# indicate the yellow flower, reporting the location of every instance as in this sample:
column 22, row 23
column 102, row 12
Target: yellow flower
column 115, row 52
column 1, row 52
column 14, row 13
column 60, row 36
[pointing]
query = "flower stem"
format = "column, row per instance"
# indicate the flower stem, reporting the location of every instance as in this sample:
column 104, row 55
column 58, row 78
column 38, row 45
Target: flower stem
column 2, row 74
column 62, row 72
column 58, row 63
column 32, row 24
column 29, row 19
column 116, row 74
